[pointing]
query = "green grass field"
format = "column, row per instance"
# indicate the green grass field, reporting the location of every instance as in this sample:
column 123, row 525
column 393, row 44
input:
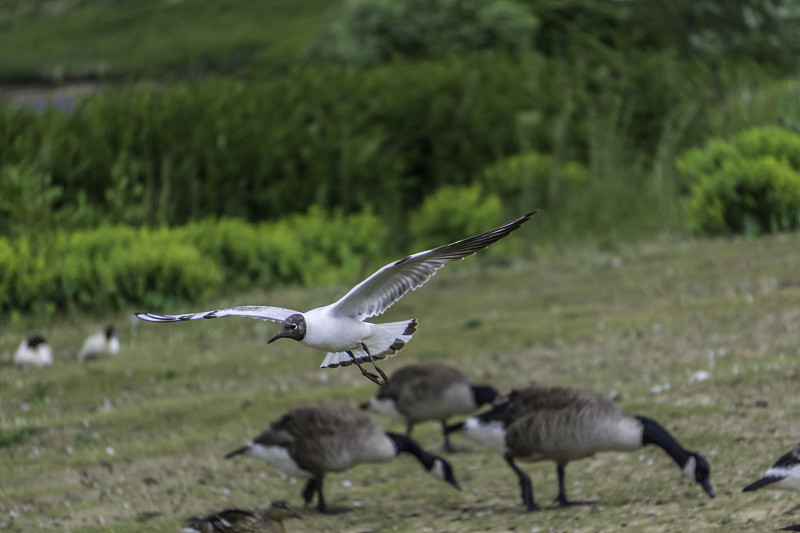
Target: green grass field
column 57, row 39
column 136, row 443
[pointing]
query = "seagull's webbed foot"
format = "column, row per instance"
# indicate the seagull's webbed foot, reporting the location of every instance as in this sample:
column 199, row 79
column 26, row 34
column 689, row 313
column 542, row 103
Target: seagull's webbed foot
column 333, row 510
column 364, row 372
column 564, row 502
column 375, row 365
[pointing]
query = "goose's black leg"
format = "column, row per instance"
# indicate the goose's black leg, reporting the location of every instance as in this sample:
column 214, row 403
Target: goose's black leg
column 524, row 483
column 372, row 360
column 409, row 428
column 448, row 447
column 309, row 490
column 562, row 493
column 369, row 375
column 322, row 507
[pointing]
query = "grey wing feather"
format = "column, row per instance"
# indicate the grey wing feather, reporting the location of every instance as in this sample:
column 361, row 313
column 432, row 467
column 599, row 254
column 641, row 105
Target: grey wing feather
column 261, row 312
column 378, row 292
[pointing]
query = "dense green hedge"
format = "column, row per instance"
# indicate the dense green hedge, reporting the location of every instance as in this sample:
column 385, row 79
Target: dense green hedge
column 747, row 184
column 114, row 267
column 323, row 135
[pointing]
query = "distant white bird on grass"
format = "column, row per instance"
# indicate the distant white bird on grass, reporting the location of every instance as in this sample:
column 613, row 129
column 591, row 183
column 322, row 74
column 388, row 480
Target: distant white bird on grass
column 100, row 344
column 34, row 351
column 339, row 328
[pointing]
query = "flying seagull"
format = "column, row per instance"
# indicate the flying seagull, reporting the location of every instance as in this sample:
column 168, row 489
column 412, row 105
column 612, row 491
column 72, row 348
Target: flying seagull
column 339, row 328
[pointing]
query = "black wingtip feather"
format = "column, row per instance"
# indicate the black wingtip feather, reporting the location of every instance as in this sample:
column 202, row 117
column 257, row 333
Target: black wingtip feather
column 236, row 452
column 763, row 482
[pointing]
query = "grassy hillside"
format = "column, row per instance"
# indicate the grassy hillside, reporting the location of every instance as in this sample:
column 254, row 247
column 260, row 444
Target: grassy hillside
column 74, row 39
column 136, row 443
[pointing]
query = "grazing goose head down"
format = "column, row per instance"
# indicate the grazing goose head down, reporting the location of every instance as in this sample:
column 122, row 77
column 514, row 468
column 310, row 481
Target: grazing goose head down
column 243, row 521
column 433, row 391
column 34, row 351
column 339, row 328
column 563, row 424
column 310, row 442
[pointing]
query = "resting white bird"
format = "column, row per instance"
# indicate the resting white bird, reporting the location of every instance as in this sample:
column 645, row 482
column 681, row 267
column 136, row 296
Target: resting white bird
column 100, row 344
column 34, row 352
column 339, row 328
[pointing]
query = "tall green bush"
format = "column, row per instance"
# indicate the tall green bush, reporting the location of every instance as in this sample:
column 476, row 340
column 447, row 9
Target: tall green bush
column 748, row 184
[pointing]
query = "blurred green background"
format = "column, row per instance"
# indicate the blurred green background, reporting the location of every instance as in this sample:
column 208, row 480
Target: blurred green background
column 436, row 118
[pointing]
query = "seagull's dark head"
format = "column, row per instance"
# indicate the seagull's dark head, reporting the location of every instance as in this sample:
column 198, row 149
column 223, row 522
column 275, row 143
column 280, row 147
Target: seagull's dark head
column 293, row 327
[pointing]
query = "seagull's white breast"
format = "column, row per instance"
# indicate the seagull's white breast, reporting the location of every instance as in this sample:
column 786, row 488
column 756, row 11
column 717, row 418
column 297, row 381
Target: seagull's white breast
column 332, row 333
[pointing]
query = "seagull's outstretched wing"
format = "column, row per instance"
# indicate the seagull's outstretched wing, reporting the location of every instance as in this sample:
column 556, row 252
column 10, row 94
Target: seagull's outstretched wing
column 378, row 292
column 782, row 469
column 262, row 312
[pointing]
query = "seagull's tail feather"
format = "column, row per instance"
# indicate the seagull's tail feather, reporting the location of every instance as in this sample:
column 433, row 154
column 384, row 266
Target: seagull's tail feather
column 385, row 341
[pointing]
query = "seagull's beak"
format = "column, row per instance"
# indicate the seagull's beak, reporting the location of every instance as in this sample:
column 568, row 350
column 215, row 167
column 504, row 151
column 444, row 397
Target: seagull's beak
column 276, row 337
column 298, row 515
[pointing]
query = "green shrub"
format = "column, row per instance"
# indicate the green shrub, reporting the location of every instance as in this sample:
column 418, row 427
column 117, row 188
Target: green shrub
column 119, row 267
column 749, row 184
column 452, row 213
column 335, row 246
column 240, row 249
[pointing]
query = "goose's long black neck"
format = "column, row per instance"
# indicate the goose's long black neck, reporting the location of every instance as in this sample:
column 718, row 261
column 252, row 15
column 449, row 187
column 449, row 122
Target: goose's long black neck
column 654, row 433
column 406, row 445
column 482, row 394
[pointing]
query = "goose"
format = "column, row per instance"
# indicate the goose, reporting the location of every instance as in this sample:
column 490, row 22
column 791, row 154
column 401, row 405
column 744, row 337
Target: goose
column 563, row 424
column 783, row 475
column 242, row 521
column 339, row 328
column 34, row 351
column 433, row 391
column 309, row 442
column 100, row 344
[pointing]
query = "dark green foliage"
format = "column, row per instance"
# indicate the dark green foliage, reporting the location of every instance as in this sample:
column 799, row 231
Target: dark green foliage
column 367, row 32
column 259, row 150
column 715, row 31
column 533, row 180
column 14, row 437
column 749, row 184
